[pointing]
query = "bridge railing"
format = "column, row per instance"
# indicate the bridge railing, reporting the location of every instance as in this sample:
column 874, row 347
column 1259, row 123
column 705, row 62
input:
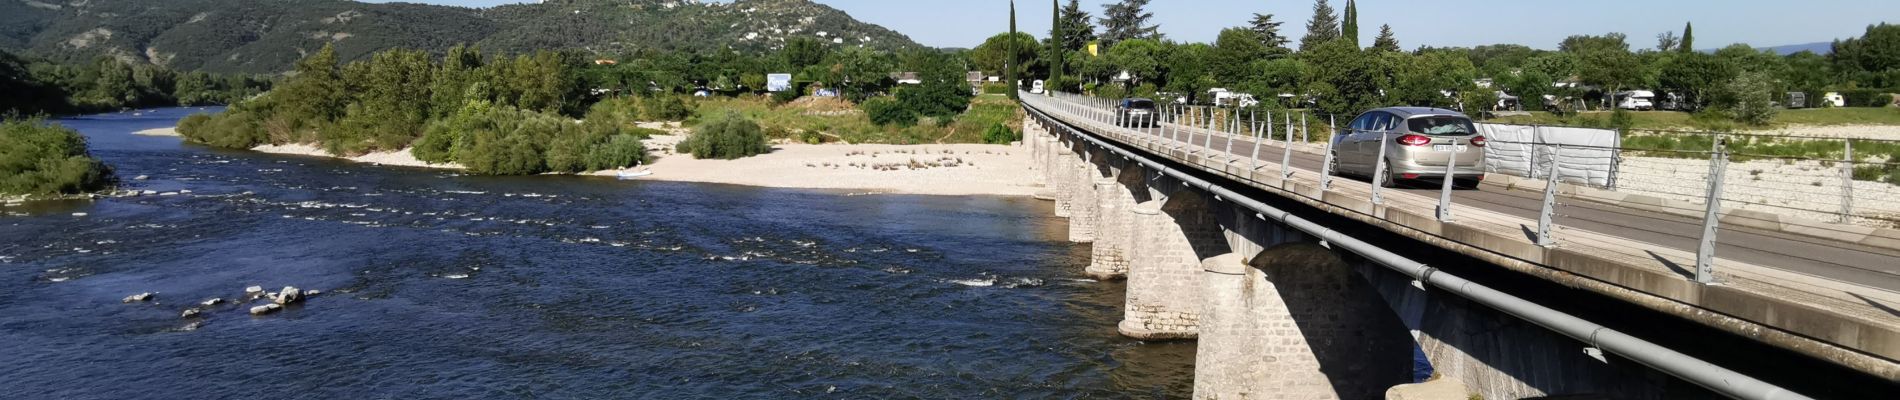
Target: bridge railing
column 1848, row 181
column 1705, row 184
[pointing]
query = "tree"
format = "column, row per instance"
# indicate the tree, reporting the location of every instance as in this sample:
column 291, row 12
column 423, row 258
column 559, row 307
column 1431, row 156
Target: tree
column 1667, row 41
column 1235, row 50
column 1127, row 20
column 1697, row 76
column 1350, row 27
column 1324, row 27
column 1077, row 27
column 1269, row 31
column 801, row 52
column 995, row 52
column 1141, row 58
column 1386, row 41
column 1187, row 71
column 1872, row 60
column 1058, row 37
column 1749, row 98
column 1343, row 78
column 1584, row 44
column 1688, row 38
column 943, row 92
column 1010, row 64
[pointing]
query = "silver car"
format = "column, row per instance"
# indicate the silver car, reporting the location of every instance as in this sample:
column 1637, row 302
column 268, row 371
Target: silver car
column 1417, row 143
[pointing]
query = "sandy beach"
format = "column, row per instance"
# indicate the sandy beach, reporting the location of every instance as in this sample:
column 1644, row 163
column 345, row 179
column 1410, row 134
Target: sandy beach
column 170, row 131
column 950, row 170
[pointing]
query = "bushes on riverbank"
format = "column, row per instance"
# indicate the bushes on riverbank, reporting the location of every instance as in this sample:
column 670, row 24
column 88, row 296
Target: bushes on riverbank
column 728, row 137
column 502, row 140
column 40, row 159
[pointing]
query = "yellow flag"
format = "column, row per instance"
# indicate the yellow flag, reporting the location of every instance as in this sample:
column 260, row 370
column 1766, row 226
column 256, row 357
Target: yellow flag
column 1094, row 49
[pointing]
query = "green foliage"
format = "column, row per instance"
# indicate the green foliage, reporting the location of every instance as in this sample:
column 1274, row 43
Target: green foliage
column 1345, row 79
column 996, row 51
column 41, row 159
column 245, row 36
column 1872, row 60
column 1867, row 97
column 1127, row 20
column 1324, row 27
column 666, row 108
column 731, row 136
column 1748, row 99
column 943, row 92
column 888, row 112
column 1000, row 134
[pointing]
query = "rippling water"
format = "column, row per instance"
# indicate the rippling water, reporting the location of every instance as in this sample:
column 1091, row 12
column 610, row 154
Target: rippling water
column 440, row 285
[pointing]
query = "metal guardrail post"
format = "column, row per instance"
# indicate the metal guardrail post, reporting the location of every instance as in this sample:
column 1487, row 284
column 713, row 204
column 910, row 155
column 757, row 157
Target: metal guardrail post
column 1213, row 119
column 1705, row 252
column 1326, row 167
column 1257, row 135
column 1847, row 183
column 1444, row 193
column 1234, row 130
column 1286, row 158
column 1549, row 210
column 1378, row 172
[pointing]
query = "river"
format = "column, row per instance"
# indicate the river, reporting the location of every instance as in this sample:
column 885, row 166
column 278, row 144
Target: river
column 438, row 285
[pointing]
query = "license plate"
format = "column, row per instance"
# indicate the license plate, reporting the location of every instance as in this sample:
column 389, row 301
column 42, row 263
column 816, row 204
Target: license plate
column 1448, row 148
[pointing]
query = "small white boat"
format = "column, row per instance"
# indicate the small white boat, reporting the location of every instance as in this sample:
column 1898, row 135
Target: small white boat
column 623, row 175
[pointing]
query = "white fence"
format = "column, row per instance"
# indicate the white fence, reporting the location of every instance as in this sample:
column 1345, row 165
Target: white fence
column 1583, row 155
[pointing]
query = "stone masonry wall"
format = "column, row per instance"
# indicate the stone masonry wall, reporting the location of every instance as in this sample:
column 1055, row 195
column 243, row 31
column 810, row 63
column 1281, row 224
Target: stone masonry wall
column 1164, row 295
column 1295, row 322
column 1114, row 245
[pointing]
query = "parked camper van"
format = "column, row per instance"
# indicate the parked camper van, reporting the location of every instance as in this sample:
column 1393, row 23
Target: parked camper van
column 1036, row 87
column 1223, row 98
column 1640, row 100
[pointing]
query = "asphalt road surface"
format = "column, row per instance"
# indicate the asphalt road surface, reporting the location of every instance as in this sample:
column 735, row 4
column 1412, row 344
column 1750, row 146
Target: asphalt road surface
column 1836, row 260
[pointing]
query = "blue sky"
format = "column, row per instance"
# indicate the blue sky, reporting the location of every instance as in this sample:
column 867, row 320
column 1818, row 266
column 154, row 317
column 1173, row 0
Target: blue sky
column 1536, row 23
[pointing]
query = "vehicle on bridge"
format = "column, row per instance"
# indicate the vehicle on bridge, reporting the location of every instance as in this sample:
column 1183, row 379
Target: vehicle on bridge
column 1417, row 144
column 1136, row 112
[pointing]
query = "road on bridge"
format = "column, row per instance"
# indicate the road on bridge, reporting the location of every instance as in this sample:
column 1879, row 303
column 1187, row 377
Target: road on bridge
column 1830, row 259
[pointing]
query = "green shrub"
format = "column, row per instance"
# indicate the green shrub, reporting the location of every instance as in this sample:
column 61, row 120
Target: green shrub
column 887, row 112
column 996, row 88
column 728, row 137
column 784, row 96
column 620, row 151
column 40, row 159
column 811, row 137
column 236, row 128
column 1881, row 100
column 666, row 108
column 1000, row 134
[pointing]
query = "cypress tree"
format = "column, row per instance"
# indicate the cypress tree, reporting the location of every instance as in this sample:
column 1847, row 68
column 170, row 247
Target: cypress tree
column 1057, row 36
column 1688, row 37
column 1350, row 28
column 1009, row 64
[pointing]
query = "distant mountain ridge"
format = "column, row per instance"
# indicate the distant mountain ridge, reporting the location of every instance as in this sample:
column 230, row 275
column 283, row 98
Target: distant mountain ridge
column 265, row 36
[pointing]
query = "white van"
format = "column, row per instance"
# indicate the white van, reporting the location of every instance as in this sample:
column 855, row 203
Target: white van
column 1640, row 100
column 1036, row 87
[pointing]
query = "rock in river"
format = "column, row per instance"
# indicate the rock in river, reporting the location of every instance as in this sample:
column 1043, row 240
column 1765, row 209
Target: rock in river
column 253, row 292
column 141, row 297
column 266, row 309
column 290, row 294
column 212, row 302
column 190, row 312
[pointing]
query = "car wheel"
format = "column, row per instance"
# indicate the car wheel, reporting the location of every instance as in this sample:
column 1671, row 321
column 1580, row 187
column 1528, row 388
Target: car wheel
column 1332, row 164
column 1388, row 180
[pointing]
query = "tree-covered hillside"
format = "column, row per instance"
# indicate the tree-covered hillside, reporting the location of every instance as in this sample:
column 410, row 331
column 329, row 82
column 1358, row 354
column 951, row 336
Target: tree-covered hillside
column 266, row 36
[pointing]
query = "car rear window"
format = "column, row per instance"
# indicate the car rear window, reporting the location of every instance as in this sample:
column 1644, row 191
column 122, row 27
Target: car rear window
column 1141, row 104
column 1443, row 126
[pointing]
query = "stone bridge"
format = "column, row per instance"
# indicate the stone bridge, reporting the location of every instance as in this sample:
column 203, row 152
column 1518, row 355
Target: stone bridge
column 1285, row 312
